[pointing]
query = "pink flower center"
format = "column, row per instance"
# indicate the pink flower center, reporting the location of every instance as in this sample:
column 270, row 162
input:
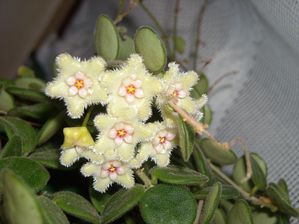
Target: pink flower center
column 121, row 133
column 79, row 83
column 131, row 89
column 111, row 169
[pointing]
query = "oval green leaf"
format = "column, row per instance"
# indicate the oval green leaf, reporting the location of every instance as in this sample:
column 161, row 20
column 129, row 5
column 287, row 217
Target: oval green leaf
column 239, row 173
column 99, row 200
column 77, row 206
column 20, row 204
column 219, row 217
column 211, row 203
column 122, row 202
column 259, row 172
column 186, row 138
column 263, row 218
column 106, row 38
column 217, row 153
column 168, row 204
column 207, row 114
column 6, row 101
column 201, row 87
column 151, row 48
column 177, row 175
column 17, row 127
column 35, row 175
column 126, row 48
column 30, row 83
column 12, row 147
column 240, row 213
column 228, row 193
column 48, row 157
column 51, row 212
column 28, row 94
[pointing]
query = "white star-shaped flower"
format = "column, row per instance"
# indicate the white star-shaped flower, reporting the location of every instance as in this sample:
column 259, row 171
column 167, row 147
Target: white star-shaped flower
column 77, row 83
column 132, row 89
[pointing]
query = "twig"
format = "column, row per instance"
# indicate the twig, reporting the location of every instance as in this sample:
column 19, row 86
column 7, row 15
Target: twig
column 147, row 182
column 122, row 15
column 234, row 72
column 246, row 195
column 156, row 22
column 198, row 127
column 198, row 213
column 247, row 157
column 198, row 32
column 174, row 36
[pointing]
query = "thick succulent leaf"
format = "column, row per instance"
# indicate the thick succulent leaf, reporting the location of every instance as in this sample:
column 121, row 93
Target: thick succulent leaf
column 6, row 100
column 281, row 200
column 28, row 94
column 168, row 204
column 122, row 202
column 228, row 193
column 259, row 172
column 34, row 174
column 217, row 153
column 48, row 157
column 51, row 212
column 50, row 128
column 12, row 147
column 30, row 83
column 20, row 203
column 186, row 138
column 106, row 38
column 240, row 213
column 24, row 71
column 283, row 188
column 37, row 112
column 151, row 48
column 211, row 203
column 99, row 200
column 201, row 87
column 219, row 217
column 17, row 127
column 263, row 218
column 178, row 175
column 207, row 114
column 77, row 206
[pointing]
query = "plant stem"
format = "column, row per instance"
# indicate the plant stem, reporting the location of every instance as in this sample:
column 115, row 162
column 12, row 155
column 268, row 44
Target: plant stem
column 246, row 195
column 174, row 36
column 198, row 32
column 141, row 174
column 156, row 22
column 198, row 213
column 234, row 72
column 87, row 116
column 122, row 14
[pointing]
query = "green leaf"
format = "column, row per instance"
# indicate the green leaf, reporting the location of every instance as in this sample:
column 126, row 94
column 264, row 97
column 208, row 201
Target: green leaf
column 186, row 138
column 228, row 193
column 106, row 38
column 259, row 171
column 28, row 94
column 51, row 212
column 12, row 147
column 280, row 200
column 283, row 188
column 35, row 175
column 239, row 173
column 126, row 48
column 219, row 217
column 76, row 206
column 48, row 157
column 151, row 48
column 30, row 83
column 24, row 71
column 201, row 163
column 20, row 204
column 207, row 114
column 201, row 87
column 283, row 220
column 50, row 128
column 263, row 218
column 37, row 112
column 211, row 203
column 17, row 127
column 180, row 44
column 240, row 213
column 177, row 175
column 99, row 200
column 6, row 101
column 122, row 202
column 168, row 204
column 216, row 152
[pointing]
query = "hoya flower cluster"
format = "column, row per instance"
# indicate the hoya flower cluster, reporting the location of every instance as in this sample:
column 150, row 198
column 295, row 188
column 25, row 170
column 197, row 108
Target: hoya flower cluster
column 125, row 138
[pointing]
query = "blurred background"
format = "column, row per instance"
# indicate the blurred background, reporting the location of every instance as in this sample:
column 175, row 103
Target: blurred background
column 257, row 39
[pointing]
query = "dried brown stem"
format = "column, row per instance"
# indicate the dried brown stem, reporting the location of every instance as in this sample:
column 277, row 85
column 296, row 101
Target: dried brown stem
column 198, row 213
column 122, row 15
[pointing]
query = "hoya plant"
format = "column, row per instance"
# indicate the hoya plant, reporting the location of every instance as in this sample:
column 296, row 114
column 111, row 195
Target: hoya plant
column 122, row 137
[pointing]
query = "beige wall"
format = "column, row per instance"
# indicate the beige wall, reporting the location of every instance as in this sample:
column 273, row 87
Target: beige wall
column 23, row 23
